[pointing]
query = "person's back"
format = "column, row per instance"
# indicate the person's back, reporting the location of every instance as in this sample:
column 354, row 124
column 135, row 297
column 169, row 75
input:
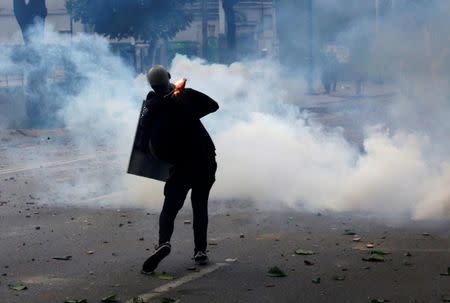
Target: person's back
column 175, row 131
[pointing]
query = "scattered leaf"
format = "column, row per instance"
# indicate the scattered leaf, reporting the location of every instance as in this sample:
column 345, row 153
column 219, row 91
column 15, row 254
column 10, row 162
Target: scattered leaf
column 316, row 280
column 65, row 258
column 187, row 222
column 110, row 299
column 169, row 300
column 349, row 232
column 17, row 286
column 356, row 239
column 446, row 273
column 166, row 277
column 374, row 258
column 408, row 254
column 379, row 301
column 370, row 245
column 76, row 301
column 90, row 252
column 276, row 272
column 425, row 234
column 303, row 252
column 338, row 278
column 138, row 300
column 307, row 262
column 379, row 252
column 445, row 298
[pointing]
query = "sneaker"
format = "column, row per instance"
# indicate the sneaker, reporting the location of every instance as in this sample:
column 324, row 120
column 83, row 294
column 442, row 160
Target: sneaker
column 162, row 251
column 200, row 258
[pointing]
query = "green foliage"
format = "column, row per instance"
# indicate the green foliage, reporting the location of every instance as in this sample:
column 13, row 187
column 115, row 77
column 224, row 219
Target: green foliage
column 144, row 20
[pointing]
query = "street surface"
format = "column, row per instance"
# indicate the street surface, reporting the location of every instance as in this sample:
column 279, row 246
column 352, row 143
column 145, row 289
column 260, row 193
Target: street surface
column 99, row 249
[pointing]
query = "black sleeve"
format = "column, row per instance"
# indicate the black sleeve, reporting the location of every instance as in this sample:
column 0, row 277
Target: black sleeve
column 199, row 104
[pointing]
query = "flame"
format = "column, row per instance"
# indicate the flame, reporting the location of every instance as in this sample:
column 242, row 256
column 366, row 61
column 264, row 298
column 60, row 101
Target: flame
column 179, row 86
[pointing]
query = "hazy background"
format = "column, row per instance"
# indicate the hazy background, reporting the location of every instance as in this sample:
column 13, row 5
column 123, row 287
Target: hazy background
column 270, row 150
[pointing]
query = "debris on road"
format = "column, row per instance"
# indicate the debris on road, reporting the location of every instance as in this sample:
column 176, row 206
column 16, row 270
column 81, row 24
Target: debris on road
column 316, row 280
column 446, row 273
column 276, row 272
column 187, row 222
column 370, row 245
column 90, row 252
column 338, row 278
column 308, row 263
column 379, row 301
column 379, row 252
column 230, row 260
column 374, row 258
column 17, row 286
column 356, row 239
column 303, row 252
column 76, row 301
column 445, row 298
column 242, row 236
column 165, row 277
column 169, row 300
column 349, row 232
column 138, row 300
column 110, row 299
column 65, row 258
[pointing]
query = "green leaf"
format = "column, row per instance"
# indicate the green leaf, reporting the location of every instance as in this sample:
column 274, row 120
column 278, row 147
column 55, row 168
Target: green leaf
column 349, row 232
column 76, row 301
column 166, row 277
column 17, row 286
column 316, row 280
column 374, row 258
column 303, row 252
column 110, row 299
column 379, row 252
column 276, row 272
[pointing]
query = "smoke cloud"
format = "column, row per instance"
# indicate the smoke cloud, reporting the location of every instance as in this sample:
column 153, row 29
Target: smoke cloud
column 271, row 151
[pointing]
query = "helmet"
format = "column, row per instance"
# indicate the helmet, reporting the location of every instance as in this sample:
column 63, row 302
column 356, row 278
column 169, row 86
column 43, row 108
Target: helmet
column 158, row 76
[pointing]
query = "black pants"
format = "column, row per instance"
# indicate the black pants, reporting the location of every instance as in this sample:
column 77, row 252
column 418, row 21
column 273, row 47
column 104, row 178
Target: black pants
column 198, row 176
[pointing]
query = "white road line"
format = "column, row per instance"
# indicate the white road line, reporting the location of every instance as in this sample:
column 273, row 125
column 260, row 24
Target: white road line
column 169, row 286
column 52, row 164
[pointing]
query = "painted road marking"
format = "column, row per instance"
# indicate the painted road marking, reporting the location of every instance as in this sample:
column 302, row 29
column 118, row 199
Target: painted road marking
column 169, row 286
column 53, row 164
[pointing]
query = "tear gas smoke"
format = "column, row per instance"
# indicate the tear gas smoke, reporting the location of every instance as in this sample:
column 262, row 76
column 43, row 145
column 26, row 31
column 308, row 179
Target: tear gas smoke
column 268, row 150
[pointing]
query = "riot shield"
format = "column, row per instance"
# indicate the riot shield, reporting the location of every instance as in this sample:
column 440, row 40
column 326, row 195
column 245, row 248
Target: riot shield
column 142, row 162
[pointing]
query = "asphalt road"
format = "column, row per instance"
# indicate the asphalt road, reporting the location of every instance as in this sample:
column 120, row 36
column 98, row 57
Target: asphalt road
column 107, row 245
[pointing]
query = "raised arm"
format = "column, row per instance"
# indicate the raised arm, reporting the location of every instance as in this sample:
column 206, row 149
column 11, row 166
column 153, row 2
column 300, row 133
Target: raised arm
column 199, row 103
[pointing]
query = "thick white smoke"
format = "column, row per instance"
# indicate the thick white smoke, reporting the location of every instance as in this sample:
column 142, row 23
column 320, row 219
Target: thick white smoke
column 268, row 151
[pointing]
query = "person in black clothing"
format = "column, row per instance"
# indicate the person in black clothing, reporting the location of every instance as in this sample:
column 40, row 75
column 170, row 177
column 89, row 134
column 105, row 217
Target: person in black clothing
column 177, row 136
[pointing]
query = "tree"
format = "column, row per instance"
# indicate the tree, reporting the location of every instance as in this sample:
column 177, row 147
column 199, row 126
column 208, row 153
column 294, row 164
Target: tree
column 143, row 20
column 29, row 15
column 230, row 20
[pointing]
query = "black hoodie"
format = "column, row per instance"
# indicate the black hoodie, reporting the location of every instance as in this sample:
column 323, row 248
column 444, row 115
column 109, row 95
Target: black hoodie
column 174, row 128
